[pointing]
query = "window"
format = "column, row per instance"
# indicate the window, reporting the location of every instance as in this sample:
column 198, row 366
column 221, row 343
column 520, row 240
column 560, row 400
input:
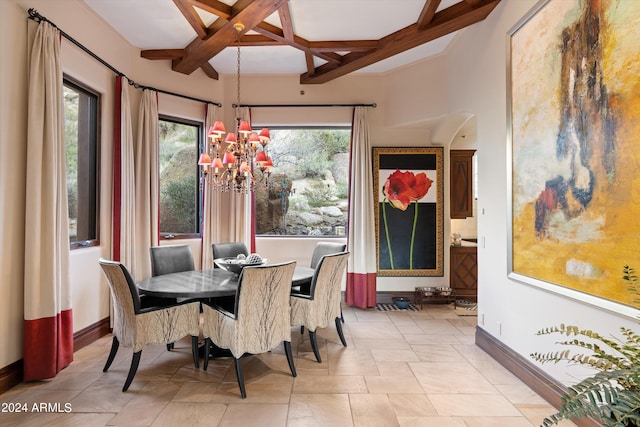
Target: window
column 81, row 112
column 306, row 194
column 180, row 208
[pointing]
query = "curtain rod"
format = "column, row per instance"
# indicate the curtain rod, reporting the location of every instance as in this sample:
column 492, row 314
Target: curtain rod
column 302, row 105
column 35, row 16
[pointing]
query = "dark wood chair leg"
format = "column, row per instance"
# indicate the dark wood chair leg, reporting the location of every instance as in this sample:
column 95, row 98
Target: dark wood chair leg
column 135, row 361
column 207, row 347
column 287, row 350
column 314, row 345
column 194, row 350
column 112, row 354
column 341, row 316
column 240, row 376
column 301, row 330
column 170, row 346
column 340, row 334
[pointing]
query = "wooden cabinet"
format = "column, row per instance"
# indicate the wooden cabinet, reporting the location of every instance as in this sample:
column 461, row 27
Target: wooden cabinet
column 461, row 197
column 464, row 272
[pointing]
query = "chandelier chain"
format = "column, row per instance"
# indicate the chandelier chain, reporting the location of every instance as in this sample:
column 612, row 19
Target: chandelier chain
column 238, row 79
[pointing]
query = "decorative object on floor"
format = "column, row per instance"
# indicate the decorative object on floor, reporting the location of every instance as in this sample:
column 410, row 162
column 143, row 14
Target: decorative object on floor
column 466, row 308
column 401, row 302
column 393, row 307
column 408, row 186
column 433, row 294
column 234, row 171
column 570, row 185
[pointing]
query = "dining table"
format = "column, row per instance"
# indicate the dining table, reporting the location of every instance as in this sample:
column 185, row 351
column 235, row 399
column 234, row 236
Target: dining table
column 204, row 284
column 210, row 283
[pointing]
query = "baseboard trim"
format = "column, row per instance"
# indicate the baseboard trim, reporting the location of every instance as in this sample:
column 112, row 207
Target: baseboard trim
column 11, row 375
column 531, row 375
column 86, row 336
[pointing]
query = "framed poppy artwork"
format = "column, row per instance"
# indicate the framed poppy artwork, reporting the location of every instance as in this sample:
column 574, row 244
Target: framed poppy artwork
column 573, row 109
column 408, row 184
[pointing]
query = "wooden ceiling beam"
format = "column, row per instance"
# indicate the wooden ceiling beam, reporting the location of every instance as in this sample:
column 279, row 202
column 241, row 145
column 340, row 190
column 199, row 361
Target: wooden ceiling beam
column 248, row 12
column 311, row 67
column 257, row 40
column 214, row 7
column 285, row 22
column 447, row 21
column 209, row 70
column 192, row 18
column 277, row 34
column 428, row 12
column 344, row 45
column 162, row 54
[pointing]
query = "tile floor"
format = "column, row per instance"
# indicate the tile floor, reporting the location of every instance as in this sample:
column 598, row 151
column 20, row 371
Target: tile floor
column 400, row 368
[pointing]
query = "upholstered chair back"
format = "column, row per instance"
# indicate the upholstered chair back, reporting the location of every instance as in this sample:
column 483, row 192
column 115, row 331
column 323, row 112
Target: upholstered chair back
column 323, row 304
column 126, row 301
column 170, row 259
column 262, row 312
column 325, row 248
column 136, row 326
column 230, row 249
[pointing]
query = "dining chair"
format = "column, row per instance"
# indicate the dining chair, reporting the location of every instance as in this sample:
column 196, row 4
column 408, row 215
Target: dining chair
column 261, row 318
column 322, row 304
column 229, row 249
column 325, row 248
column 170, row 259
column 321, row 249
column 135, row 324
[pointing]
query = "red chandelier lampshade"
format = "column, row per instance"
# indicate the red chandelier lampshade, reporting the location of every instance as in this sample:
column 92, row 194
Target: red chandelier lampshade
column 240, row 150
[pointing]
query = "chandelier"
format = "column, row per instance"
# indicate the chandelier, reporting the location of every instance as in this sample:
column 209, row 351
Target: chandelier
column 228, row 163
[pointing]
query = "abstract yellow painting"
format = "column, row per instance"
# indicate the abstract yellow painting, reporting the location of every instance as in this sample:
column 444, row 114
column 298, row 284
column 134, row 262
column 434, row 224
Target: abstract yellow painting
column 574, row 118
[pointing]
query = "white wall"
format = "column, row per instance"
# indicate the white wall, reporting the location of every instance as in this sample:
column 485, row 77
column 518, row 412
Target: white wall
column 512, row 311
column 13, row 127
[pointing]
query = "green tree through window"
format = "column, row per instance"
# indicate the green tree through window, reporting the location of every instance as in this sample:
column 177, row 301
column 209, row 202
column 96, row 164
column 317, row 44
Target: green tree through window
column 307, row 191
column 179, row 195
column 81, row 112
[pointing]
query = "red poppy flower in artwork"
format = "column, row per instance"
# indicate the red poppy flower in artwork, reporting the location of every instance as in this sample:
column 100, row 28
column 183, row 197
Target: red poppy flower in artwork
column 402, row 188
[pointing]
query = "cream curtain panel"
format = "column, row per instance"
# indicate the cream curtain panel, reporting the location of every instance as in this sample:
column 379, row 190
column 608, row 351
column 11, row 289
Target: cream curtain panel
column 241, row 205
column 48, row 320
column 212, row 227
column 147, row 184
column 361, row 267
column 127, row 211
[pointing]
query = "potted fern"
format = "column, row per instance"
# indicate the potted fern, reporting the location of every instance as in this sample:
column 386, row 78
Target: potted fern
column 612, row 395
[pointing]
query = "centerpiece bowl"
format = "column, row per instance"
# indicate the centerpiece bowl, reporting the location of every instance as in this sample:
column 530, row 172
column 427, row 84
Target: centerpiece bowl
column 235, row 265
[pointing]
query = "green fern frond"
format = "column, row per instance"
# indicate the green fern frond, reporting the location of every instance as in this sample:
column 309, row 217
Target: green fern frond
column 612, row 395
column 601, row 397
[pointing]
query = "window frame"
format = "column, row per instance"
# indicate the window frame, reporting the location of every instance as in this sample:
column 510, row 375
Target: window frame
column 200, row 205
column 93, row 132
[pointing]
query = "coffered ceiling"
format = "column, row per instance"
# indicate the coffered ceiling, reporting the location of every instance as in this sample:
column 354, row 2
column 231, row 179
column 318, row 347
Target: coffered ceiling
column 320, row 40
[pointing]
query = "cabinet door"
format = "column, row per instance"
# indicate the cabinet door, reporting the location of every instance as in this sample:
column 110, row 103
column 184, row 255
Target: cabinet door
column 461, row 183
column 464, row 271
